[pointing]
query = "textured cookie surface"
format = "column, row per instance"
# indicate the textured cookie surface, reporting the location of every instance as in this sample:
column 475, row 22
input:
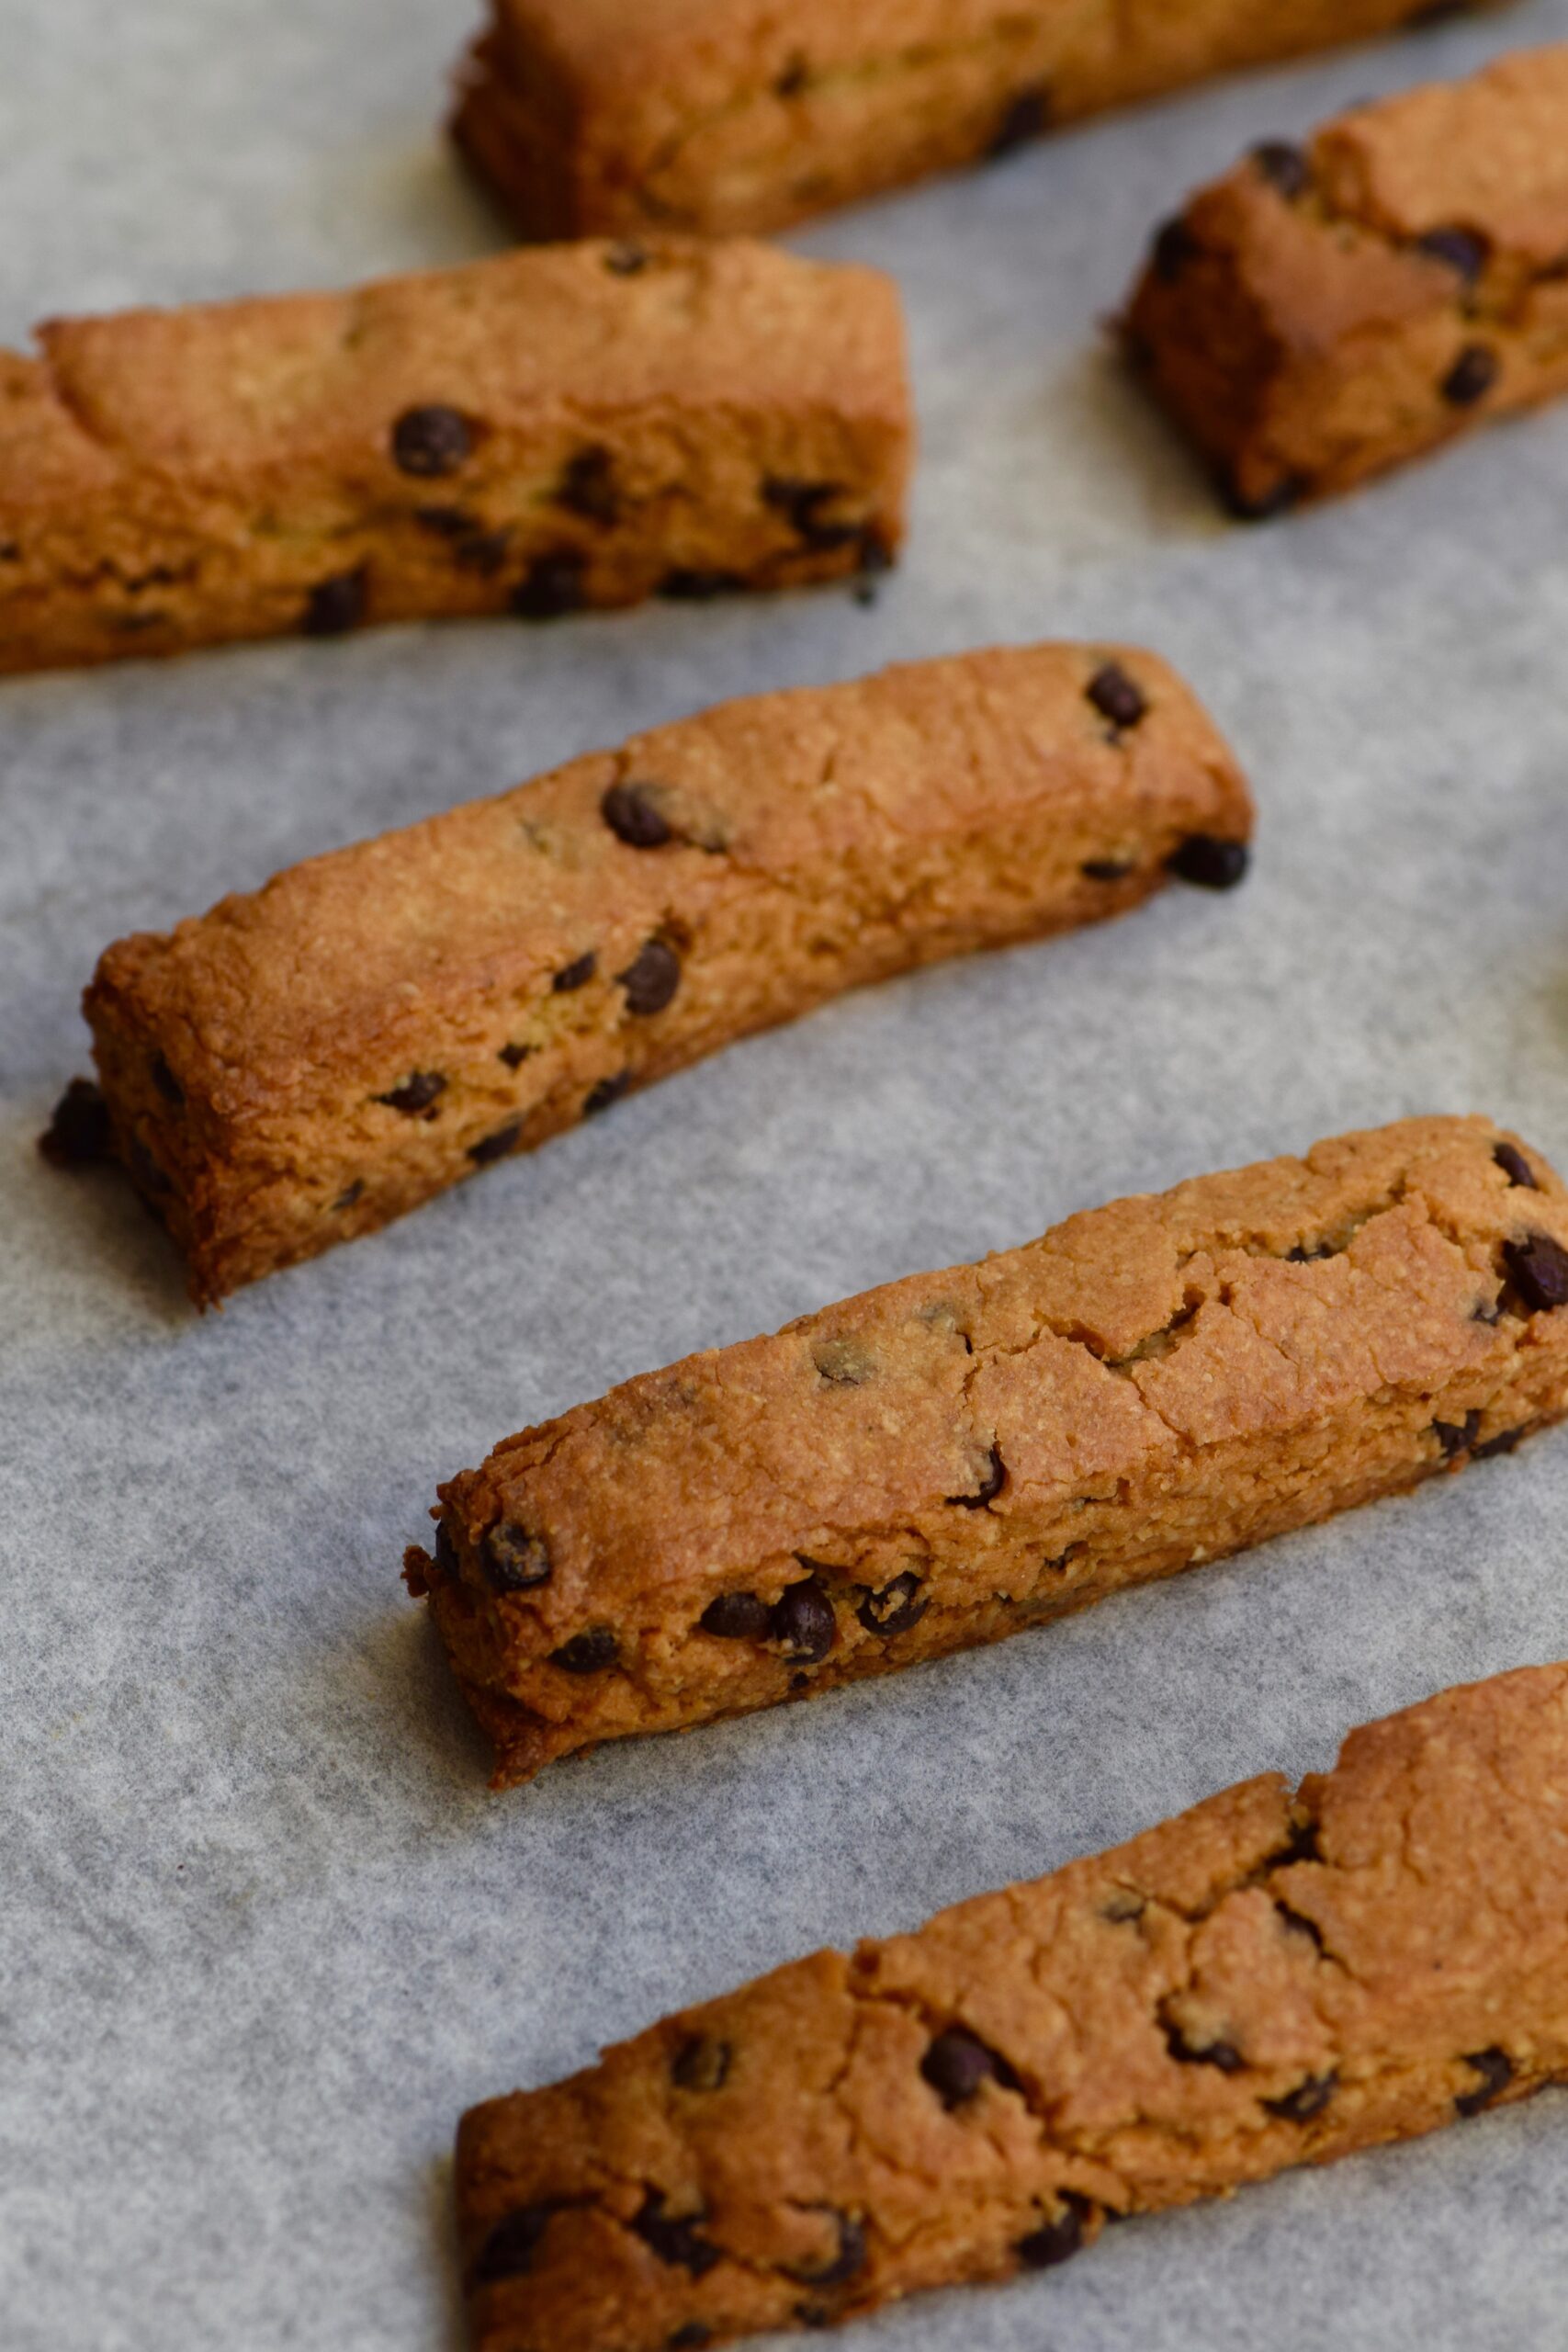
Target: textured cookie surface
column 1327, row 311
column 725, row 115
column 964, row 1455
column 1274, row 1978
column 587, row 425
column 303, row 1064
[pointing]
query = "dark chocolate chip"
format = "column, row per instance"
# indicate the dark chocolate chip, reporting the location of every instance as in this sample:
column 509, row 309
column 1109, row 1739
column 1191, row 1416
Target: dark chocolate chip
column 608, row 1091
column 1027, row 117
column 508, row 2251
column 803, row 1621
column 633, row 816
column 1496, row 2069
column 1461, row 249
column 1540, row 1270
column 801, row 502
column 1457, row 1437
column 1115, row 697
column 576, row 976
column 687, row 586
column 626, row 259
column 651, row 978
column 515, row 1055
column 812, row 2314
column 1108, row 869
column 995, row 1480
column 168, row 1084
column 552, row 586
column 1262, row 505
column 1223, row 2054
column 516, row 1559
column 957, row 2064
column 793, row 78
column 675, row 2242
column 445, row 1550
column 737, row 1617
column 1515, row 1167
column 1308, row 2098
column 702, row 2064
column 588, row 486
column 691, row 2338
column 447, row 522
column 1211, row 864
column 1471, row 376
column 897, row 1609
column 145, row 1169
column 333, row 606
column 431, row 441
column 351, row 1196
column 841, row 2265
column 590, row 1653
column 484, row 552
column 1175, row 245
column 1303, row 1846
column 490, row 1148
column 78, row 1134
column 1284, row 166
column 416, row 1093
column 1508, row 1443
column 1059, row 2240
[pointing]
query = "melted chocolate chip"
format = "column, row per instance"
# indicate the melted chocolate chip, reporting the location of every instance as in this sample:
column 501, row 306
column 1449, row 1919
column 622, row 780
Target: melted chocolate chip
column 633, row 815
column 1175, row 245
column 591, row 1653
column 675, row 2240
column 576, row 976
column 1308, row 2098
column 801, row 502
column 553, row 585
column 1115, row 697
column 431, row 441
column 626, row 259
column 995, row 1480
column 78, row 1134
column 1540, row 1271
column 1461, row 249
column 686, row 586
column 957, row 2063
column 1284, row 167
column 515, row 1055
column 516, row 1559
column 351, row 1197
column 1457, row 1437
column 1057, row 2241
column 1027, row 117
column 490, row 1148
column 651, row 978
column 804, row 1622
column 588, row 486
column 1108, row 869
column 334, row 606
column 608, row 1091
column 1471, row 376
column 1496, row 2069
column 737, row 1617
column 416, row 1093
column 168, row 1084
column 897, row 1609
column 841, row 2265
column 1508, row 1443
column 1515, row 1167
column 508, row 2251
column 1211, row 864
column 702, row 2064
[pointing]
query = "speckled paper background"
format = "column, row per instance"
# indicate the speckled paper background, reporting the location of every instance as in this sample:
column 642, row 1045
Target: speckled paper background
column 263, row 1934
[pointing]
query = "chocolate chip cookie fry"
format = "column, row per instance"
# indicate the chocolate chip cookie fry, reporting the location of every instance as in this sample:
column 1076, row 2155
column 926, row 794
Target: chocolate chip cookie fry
column 1276, row 1977
column 964, row 1455
column 302, row 1065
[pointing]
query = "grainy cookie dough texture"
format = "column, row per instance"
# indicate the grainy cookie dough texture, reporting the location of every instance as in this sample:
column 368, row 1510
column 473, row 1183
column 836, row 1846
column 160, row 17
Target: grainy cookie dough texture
column 725, row 115
column 1268, row 1980
column 964, row 1455
column 302, row 1065
column 590, row 426
column 1329, row 311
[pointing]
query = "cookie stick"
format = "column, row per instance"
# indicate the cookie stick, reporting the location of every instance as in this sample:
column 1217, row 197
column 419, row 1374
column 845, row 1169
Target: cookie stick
column 1270, row 1979
column 1325, row 313
column 302, row 1065
column 964, row 1455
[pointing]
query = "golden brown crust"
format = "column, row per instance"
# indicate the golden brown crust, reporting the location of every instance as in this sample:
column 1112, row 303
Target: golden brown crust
column 965, row 1455
column 585, row 425
column 1266, row 1981
column 1324, row 314
column 726, row 115
column 304, row 1064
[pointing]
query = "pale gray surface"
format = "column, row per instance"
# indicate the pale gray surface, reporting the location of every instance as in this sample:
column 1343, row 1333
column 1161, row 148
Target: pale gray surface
column 264, row 1933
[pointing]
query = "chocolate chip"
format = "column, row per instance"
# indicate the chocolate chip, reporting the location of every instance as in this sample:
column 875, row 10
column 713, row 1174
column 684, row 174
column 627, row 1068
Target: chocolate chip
column 1471, row 376
column 431, row 441
column 1175, row 245
column 1059, row 2240
column 1508, row 1443
column 484, row 552
column 590, row 1653
column 515, row 1055
column 416, row 1093
column 737, row 1617
column 1028, row 116
column 516, row 1559
column 1211, row 864
column 633, row 815
column 674, row 2241
column 168, row 1084
column 490, row 1148
column 687, row 586
column 957, row 2063
column 804, row 1622
column 801, row 502
column 609, row 1091
column 1284, row 167
column 995, row 1480
column 145, row 1169
column 897, row 1609
column 1540, row 1270
column 1304, row 1844
column 794, row 79
column 1301, row 1256
column 691, row 2338
column 78, row 1134
column 877, row 557
column 843, row 1363
column 1223, row 2054
column 651, row 978
column 333, row 606
column 508, row 2251
column 1461, row 249
column 1457, row 1437
column 552, row 586
column 1108, row 869
column 588, row 486
column 1263, row 505
column 626, row 259
column 841, row 2265
column 447, row 522
column 702, row 2064
column 1515, row 1167
column 1115, row 697
column 351, row 1197
column 1308, row 2098
column 1496, row 2069
column 576, row 976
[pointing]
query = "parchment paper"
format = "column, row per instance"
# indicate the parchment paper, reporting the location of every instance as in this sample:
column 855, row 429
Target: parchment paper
column 264, row 1934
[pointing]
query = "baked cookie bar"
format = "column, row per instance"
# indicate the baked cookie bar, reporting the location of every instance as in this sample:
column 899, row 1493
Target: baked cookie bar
column 301, row 1064
column 1274, row 1978
column 1329, row 311
column 727, row 115
column 588, row 425
column 963, row 1456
